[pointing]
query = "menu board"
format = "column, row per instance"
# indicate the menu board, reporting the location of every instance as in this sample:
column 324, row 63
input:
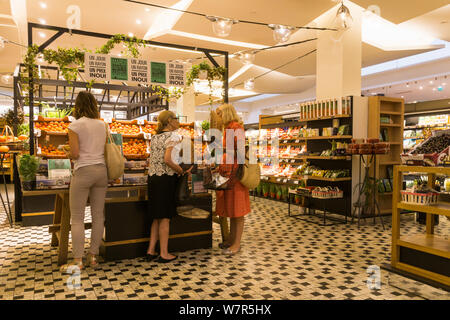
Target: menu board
column 101, row 67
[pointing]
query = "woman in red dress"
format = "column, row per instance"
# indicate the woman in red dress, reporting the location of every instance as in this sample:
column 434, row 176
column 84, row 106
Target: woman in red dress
column 233, row 203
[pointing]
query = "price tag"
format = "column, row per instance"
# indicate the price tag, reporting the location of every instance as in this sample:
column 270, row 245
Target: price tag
column 297, row 141
column 35, row 118
column 278, row 180
column 47, row 138
column 296, row 182
column 39, row 150
column 108, row 120
column 147, row 136
column 285, row 141
column 285, row 180
column 37, row 132
column 292, row 161
column 71, row 119
column 140, row 122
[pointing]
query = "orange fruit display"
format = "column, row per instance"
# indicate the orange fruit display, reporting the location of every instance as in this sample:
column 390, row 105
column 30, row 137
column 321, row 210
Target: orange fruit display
column 52, row 126
column 149, row 128
column 125, row 129
column 135, row 147
column 4, row 149
column 51, row 150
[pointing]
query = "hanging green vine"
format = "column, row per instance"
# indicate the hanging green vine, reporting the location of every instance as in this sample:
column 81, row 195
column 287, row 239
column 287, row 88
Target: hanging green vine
column 132, row 45
column 212, row 73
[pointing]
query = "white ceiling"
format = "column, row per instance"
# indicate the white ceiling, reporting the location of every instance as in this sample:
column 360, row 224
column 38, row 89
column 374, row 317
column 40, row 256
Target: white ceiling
column 118, row 16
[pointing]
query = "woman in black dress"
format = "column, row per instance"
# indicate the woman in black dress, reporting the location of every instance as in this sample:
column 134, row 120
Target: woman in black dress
column 162, row 181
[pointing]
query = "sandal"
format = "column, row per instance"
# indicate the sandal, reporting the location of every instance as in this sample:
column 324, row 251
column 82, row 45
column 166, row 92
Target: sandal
column 91, row 260
column 72, row 267
column 224, row 245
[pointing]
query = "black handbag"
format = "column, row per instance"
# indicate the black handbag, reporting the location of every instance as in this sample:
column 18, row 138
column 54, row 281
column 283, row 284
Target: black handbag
column 182, row 192
column 214, row 181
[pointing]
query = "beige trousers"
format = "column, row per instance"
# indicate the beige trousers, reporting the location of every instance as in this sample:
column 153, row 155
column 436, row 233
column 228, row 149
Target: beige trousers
column 90, row 181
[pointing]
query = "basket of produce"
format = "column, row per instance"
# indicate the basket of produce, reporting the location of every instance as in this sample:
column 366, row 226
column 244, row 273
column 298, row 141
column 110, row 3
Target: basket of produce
column 53, row 127
column 419, row 197
column 430, row 152
column 305, row 191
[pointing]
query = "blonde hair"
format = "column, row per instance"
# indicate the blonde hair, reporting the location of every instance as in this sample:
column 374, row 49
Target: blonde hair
column 229, row 114
column 163, row 120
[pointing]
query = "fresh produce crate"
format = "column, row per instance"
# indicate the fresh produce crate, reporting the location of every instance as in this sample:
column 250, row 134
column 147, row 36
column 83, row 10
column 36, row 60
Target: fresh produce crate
column 433, row 151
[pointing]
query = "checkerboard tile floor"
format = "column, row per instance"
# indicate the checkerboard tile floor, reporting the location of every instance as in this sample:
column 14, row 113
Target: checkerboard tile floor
column 282, row 258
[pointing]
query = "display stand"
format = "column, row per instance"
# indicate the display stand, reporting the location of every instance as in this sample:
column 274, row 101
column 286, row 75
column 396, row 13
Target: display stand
column 324, row 203
column 382, row 109
column 423, row 255
column 358, row 206
column 141, row 100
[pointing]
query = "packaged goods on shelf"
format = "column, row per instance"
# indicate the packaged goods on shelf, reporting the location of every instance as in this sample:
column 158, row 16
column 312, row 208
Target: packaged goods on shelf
column 44, row 182
column 136, row 164
column 134, row 179
column 327, row 193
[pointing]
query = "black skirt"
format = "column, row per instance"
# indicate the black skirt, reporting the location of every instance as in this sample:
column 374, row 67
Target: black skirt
column 162, row 197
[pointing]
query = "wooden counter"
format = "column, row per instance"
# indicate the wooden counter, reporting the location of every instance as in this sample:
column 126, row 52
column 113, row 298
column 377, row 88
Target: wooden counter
column 127, row 223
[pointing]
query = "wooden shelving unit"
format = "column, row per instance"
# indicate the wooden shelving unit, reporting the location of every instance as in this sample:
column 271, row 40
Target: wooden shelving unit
column 424, row 255
column 394, row 109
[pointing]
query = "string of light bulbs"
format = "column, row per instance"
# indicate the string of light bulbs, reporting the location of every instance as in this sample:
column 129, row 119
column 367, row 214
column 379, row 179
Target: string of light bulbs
column 281, row 33
column 250, row 83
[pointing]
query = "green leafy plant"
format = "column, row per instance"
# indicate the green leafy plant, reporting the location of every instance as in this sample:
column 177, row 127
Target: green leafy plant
column 11, row 119
column 212, row 73
column 28, row 166
column 205, row 125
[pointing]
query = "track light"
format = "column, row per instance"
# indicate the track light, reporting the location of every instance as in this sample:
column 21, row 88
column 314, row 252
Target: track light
column 281, row 33
column 222, row 26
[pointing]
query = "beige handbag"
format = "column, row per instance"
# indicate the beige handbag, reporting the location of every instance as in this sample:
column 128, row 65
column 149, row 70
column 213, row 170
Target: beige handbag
column 115, row 162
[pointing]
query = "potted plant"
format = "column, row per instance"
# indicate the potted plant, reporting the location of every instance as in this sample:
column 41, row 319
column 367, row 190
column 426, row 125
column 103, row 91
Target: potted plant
column 273, row 191
column 204, row 71
column 28, row 167
column 278, row 190
column 265, row 190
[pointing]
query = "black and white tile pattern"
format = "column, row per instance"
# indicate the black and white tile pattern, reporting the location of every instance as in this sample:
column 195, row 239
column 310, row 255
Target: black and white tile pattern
column 282, row 258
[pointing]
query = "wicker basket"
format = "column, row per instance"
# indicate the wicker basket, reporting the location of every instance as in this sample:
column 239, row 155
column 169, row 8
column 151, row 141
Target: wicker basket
column 419, row 198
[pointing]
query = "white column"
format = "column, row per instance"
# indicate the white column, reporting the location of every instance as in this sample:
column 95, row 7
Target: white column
column 185, row 105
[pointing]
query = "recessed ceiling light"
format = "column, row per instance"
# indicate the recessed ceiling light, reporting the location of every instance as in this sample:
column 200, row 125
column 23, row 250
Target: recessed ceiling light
column 420, row 88
column 415, row 101
column 42, row 35
column 43, row 5
column 444, row 83
column 131, row 34
column 434, row 89
column 138, row 21
column 147, row 9
column 42, row 21
column 431, row 82
column 402, row 96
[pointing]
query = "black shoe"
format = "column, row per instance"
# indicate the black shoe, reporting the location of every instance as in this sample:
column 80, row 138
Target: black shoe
column 162, row 260
column 150, row 257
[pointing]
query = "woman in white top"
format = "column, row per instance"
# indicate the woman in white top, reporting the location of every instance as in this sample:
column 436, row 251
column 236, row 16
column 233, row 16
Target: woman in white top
column 87, row 138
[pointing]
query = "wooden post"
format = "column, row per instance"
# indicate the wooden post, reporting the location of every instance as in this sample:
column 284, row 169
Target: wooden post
column 56, row 219
column 396, row 195
column 430, row 216
column 64, row 232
